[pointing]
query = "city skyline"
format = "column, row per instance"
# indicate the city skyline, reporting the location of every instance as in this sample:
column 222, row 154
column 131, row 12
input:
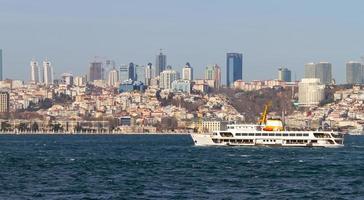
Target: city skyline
column 280, row 34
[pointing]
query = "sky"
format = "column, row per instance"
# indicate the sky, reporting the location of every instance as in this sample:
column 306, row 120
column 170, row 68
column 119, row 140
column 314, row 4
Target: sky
column 269, row 33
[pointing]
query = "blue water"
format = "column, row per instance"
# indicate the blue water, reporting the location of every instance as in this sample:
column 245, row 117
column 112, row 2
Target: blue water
column 170, row 167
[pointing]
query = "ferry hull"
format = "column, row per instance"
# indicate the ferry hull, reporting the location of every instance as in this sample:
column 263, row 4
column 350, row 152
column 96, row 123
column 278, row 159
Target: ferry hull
column 208, row 140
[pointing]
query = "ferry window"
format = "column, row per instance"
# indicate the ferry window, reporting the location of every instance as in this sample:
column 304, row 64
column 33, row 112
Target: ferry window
column 299, row 134
column 258, row 134
column 292, row 134
column 251, row 134
column 271, row 134
column 265, row 134
column 305, row 134
column 278, row 134
column 285, row 134
column 238, row 134
column 244, row 134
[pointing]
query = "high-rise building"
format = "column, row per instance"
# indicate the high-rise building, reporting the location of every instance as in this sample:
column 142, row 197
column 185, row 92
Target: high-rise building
column 113, row 77
column 321, row 70
column 187, row 72
column 234, row 68
column 140, row 73
column 67, row 78
column 132, row 71
column 34, row 71
column 213, row 72
column 1, row 64
column 160, row 64
column 4, row 102
column 149, row 73
column 47, row 72
column 284, row 74
column 324, row 72
column 166, row 79
column 80, row 80
column 124, row 73
column 310, row 92
column 354, row 72
column 96, row 71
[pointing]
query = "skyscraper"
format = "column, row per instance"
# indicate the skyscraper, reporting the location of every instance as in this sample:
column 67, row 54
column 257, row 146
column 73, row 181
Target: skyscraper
column 324, row 72
column 234, row 68
column 160, row 64
column 187, row 72
column 284, row 74
column 1, row 64
column 213, row 72
column 132, row 71
column 321, row 70
column 47, row 72
column 34, row 71
column 140, row 73
column 95, row 71
column 113, row 77
column 310, row 70
column 354, row 72
column 166, row 79
column 124, row 73
column 149, row 73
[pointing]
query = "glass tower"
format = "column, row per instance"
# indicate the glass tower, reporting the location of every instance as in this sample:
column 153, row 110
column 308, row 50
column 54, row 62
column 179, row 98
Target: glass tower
column 234, row 68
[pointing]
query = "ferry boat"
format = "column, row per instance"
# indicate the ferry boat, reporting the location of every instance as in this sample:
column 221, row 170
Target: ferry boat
column 270, row 132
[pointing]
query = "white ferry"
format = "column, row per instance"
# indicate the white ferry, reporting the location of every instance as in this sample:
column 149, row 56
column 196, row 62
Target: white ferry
column 268, row 133
column 254, row 135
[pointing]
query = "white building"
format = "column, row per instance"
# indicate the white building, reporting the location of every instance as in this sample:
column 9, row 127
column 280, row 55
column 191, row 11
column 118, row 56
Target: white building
column 47, row 72
column 80, row 81
column 67, row 78
column 113, row 77
column 166, row 78
column 187, row 72
column 34, row 71
column 310, row 92
column 182, row 86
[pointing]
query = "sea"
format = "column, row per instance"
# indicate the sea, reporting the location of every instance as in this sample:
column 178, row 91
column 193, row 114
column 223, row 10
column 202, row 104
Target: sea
column 171, row 167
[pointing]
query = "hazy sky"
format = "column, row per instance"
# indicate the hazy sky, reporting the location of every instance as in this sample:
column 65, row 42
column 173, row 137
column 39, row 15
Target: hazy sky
column 269, row 33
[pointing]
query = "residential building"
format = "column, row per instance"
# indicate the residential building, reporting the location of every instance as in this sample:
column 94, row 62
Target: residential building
column 4, row 102
column 113, row 77
column 47, row 73
column 187, row 72
column 213, row 72
column 166, row 79
column 182, row 86
column 34, row 71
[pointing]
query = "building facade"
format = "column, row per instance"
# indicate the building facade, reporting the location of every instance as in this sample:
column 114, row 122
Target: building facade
column 95, row 71
column 34, row 71
column 354, row 72
column 213, row 72
column 284, row 74
column 187, row 72
column 47, row 72
column 113, row 77
column 140, row 73
column 4, row 102
column 166, row 78
column 321, row 70
column 160, row 64
column 182, row 86
column 234, row 68
column 310, row 92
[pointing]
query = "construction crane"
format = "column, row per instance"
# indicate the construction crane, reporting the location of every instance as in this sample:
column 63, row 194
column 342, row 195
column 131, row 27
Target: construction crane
column 263, row 118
